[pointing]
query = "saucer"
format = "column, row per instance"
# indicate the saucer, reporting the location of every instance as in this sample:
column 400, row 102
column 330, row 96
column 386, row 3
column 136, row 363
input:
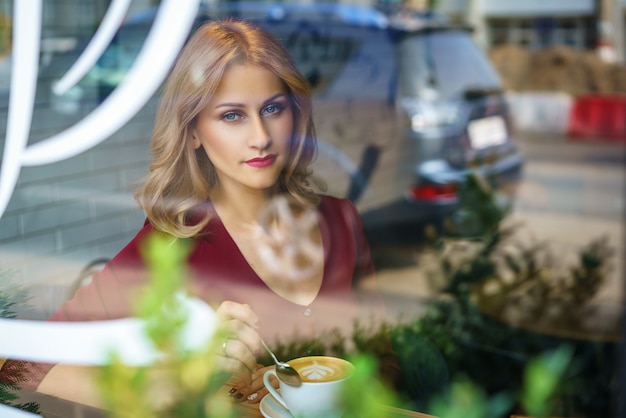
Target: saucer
column 270, row 408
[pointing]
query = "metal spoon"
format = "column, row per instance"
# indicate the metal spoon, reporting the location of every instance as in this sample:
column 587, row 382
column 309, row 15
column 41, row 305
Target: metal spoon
column 285, row 372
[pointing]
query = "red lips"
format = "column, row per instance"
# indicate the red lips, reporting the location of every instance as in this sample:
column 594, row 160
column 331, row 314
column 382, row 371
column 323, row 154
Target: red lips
column 262, row 161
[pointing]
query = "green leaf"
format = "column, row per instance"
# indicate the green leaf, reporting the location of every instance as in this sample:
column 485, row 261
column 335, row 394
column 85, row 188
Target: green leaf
column 542, row 377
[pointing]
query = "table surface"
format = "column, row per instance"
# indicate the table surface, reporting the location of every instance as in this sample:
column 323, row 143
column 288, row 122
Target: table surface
column 52, row 407
column 247, row 410
column 251, row 410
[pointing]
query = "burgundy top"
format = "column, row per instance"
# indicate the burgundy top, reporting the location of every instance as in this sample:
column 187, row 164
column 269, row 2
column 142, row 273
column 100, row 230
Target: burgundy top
column 219, row 272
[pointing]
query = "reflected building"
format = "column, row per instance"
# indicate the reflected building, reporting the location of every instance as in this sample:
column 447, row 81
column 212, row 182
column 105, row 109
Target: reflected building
column 582, row 24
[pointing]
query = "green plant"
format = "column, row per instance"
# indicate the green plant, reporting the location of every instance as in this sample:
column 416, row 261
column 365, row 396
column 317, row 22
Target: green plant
column 480, row 211
column 505, row 301
column 365, row 394
column 543, row 374
column 542, row 377
column 11, row 297
column 183, row 382
column 468, row 400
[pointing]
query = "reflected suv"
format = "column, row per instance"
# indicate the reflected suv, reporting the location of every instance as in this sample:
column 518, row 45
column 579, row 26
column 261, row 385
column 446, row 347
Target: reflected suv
column 404, row 111
column 457, row 121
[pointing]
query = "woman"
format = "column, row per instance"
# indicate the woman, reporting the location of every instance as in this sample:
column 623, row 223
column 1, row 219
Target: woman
column 232, row 145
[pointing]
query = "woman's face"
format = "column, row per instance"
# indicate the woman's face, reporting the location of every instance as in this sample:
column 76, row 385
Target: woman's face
column 246, row 128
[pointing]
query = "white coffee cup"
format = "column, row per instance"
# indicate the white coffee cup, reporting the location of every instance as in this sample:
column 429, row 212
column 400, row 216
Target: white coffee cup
column 320, row 391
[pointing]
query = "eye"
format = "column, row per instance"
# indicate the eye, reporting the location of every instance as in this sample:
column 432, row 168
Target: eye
column 273, row 109
column 231, row 116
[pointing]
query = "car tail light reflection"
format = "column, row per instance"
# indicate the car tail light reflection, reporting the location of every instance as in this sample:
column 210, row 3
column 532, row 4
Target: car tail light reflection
column 434, row 192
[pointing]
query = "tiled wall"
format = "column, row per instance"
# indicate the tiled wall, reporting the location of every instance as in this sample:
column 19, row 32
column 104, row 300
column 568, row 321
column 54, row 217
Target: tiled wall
column 64, row 215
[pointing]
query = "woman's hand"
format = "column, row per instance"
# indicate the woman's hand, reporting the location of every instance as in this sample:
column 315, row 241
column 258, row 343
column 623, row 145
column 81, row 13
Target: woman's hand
column 252, row 390
column 243, row 343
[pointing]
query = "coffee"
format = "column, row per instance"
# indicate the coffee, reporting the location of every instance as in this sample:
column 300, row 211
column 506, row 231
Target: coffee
column 319, row 394
column 316, row 369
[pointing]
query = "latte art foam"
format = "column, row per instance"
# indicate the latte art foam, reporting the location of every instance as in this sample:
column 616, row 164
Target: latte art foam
column 317, row 372
column 316, row 369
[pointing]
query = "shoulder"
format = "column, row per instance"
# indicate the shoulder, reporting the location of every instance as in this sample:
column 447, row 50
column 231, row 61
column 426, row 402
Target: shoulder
column 334, row 202
column 341, row 213
column 339, row 206
column 130, row 255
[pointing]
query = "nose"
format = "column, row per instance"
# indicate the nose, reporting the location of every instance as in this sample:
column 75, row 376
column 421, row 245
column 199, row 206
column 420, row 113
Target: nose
column 260, row 137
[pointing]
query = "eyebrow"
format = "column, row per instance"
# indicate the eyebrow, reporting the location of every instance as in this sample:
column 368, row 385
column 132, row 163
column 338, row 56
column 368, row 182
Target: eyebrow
column 241, row 105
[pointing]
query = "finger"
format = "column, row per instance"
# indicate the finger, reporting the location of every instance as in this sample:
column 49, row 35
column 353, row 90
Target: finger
column 255, row 390
column 256, row 380
column 233, row 310
column 238, row 330
column 232, row 365
column 256, row 397
column 257, row 375
column 234, row 349
column 241, row 323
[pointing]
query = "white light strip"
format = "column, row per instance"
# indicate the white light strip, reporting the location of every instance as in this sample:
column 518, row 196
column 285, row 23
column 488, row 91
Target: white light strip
column 152, row 65
column 90, row 343
column 90, row 55
column 24, row 67
column 9, row 412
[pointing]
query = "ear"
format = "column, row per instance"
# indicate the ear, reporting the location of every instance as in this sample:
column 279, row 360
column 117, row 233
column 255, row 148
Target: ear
column 195, row 141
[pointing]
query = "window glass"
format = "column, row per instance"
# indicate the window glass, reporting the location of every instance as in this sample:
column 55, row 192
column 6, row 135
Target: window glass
column 412, row 127
column 446, row 61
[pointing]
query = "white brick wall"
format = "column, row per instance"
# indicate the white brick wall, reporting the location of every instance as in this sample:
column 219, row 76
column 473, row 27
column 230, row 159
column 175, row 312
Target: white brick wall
column 63, row 215
column 541, row 111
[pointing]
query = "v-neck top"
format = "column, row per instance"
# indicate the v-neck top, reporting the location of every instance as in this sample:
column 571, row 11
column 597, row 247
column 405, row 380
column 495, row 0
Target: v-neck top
column 218, row 271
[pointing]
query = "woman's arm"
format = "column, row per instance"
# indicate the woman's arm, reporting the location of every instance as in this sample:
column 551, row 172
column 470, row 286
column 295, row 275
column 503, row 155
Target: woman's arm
column 75, row 383
column 237, row 356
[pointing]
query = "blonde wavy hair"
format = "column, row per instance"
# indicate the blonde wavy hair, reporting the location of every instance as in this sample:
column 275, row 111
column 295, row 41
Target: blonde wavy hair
column 180, row 177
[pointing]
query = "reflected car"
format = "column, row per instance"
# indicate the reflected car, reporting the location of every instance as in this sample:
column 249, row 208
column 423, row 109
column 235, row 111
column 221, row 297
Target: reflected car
column 404, row 109
column 458, row 121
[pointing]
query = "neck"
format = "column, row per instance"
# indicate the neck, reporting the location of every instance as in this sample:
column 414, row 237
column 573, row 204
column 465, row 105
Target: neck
column 243, row 206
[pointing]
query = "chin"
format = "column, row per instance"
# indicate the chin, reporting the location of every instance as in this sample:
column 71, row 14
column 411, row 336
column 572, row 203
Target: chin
column 264, row 185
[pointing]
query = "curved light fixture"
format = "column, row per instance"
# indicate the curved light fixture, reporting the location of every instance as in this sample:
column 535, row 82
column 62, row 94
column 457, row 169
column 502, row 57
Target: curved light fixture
column 101, row 39
column 10, row 412
column 146, row 75
column 91, row 343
